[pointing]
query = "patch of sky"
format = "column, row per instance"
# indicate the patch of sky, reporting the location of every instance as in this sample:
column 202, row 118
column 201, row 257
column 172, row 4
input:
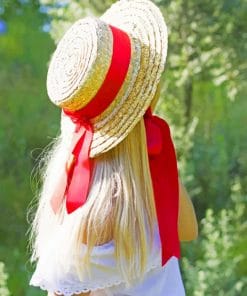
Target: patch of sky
column 3, row 27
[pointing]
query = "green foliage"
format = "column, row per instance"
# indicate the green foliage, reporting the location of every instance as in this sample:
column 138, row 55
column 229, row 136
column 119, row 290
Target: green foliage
column 64, row 13
column 24, row 116
column 3, row 281
column 220, row 268
column 218, row 156
column 205, row 42
column 10, row 8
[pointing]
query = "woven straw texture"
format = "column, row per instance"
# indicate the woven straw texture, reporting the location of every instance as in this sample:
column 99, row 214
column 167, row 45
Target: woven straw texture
column 82, row 59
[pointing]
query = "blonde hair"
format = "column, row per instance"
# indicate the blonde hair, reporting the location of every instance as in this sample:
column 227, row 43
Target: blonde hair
column 121, row 195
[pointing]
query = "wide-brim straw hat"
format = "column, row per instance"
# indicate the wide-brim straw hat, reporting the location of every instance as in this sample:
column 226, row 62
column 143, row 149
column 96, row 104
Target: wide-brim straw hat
column 80, row 63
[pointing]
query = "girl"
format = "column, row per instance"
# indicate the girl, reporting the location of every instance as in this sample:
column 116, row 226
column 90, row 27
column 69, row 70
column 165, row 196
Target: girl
column 112, row 210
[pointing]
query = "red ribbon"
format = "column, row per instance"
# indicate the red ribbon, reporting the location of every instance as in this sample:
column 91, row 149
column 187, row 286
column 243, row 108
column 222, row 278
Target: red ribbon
column 164, row 172
column 79, row 171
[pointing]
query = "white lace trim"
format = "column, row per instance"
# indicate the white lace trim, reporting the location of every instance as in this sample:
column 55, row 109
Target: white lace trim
column 72, row 288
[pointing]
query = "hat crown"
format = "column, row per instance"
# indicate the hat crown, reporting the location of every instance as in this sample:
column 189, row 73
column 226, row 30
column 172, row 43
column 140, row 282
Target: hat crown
column 80, row 63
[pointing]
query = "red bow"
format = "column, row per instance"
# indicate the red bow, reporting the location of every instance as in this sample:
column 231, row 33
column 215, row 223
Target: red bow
column 75, row 180
column 80, row 166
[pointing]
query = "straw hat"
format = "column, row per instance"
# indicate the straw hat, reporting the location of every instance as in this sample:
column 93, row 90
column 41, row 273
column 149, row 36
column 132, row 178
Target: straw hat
column 82, row 59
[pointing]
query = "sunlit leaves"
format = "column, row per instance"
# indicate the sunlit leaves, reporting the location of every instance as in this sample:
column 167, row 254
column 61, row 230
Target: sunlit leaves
column 3, row 281
column 221, row 267
column 202, row 42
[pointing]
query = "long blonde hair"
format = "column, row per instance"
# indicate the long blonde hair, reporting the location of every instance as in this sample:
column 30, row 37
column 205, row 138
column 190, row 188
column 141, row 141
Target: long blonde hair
column 120, row 193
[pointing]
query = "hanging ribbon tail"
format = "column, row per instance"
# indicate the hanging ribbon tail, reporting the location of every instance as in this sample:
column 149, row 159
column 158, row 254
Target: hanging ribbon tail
column 79, row 174
column 154, row 135
column 163, row 168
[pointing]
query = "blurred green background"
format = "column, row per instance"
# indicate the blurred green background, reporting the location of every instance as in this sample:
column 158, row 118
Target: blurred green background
column 203, row 99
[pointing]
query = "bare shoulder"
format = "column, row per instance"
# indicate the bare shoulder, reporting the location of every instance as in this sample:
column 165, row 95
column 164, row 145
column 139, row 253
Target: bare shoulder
column 187, row 221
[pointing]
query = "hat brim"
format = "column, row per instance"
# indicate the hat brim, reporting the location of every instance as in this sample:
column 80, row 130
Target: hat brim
column 143, row 21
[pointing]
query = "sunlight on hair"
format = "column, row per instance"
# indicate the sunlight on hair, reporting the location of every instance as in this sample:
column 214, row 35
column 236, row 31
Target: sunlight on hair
column 120, row 207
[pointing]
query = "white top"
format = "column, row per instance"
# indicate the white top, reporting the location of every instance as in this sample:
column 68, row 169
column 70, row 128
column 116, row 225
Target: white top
column 106, row 280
